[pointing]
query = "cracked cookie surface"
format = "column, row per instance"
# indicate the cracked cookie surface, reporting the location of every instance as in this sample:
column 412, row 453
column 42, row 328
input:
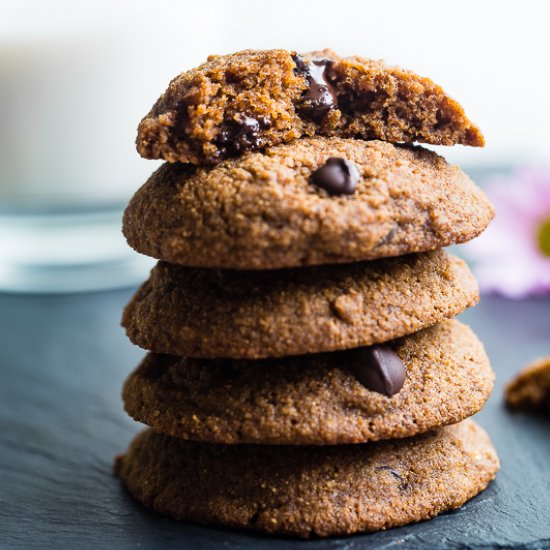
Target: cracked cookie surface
column 252, row 314
column 262, row 210
column 313, row 399
column 255, row 99
column 310, row 492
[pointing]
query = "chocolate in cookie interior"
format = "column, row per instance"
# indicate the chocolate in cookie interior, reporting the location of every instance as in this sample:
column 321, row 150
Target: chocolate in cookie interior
column 254, row 99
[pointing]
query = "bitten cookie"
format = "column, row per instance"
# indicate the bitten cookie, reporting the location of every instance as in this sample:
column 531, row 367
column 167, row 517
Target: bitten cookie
column 304, row 491
column 314, row 201
column 531, row 388
column 253, row 99
column 242, row 314
column 315, row 399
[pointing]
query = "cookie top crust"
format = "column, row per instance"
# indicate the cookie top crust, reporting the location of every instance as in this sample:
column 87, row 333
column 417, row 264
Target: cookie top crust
column 530, row 389
column 313, row 399
column 310, row 492
column 255, row 99
column 253, row 314
column 266, row 211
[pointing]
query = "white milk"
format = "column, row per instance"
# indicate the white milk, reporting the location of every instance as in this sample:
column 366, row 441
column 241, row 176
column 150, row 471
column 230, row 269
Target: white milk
column 75, row 80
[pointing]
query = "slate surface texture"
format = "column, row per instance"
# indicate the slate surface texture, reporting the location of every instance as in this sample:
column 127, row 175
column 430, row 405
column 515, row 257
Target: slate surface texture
column 62, row 362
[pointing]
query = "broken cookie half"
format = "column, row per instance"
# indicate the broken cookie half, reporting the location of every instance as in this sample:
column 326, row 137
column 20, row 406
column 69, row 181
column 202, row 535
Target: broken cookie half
column 255, row 99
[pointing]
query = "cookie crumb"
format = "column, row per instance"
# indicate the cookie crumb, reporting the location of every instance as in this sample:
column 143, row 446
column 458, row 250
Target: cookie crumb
column 530, row 389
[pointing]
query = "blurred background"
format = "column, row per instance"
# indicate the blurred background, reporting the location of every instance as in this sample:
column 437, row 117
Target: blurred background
column 76, row 78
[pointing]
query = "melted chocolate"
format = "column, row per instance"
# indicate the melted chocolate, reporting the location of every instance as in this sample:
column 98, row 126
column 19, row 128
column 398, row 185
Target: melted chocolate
column 239, row 136
column 320, row 97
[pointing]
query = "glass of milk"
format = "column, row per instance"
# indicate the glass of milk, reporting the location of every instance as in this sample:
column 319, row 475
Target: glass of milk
column 75, row 80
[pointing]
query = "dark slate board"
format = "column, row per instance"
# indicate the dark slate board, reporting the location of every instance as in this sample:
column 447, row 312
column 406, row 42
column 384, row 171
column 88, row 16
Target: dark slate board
column 62, row 362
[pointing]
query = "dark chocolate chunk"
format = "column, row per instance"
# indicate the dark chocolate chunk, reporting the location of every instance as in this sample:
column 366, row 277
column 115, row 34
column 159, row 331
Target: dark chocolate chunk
column 239, row 136
column 320, row 97
column 337, row 176
column 378, row 368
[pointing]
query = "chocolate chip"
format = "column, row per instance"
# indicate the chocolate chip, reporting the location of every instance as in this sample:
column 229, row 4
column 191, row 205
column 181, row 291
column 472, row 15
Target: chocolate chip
column 239, row 136
column 337, row 176
column 378, row 368
column 320, row 97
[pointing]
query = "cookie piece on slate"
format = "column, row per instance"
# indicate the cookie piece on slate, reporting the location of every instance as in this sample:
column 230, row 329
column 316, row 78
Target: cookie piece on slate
column 310, row 492
column 435, row 377
column 254, row 99
column 530, row 390
column 252, row 314
column 272, row 210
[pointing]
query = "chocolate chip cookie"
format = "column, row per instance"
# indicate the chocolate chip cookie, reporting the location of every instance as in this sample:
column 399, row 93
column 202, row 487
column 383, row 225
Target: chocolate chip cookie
column 310, row 491
column 325, row 399
column 269, row 210
column 255, row 99
column 530, row 390
column 252, row 314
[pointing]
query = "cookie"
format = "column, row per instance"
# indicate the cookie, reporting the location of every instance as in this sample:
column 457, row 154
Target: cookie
column 314, row 399
column 267, row 210
column 254, row 99
column 310, row 491
column 253, row 314
column 530, row 390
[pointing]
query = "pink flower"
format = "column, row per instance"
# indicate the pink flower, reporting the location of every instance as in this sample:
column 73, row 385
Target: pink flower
column 512, row 257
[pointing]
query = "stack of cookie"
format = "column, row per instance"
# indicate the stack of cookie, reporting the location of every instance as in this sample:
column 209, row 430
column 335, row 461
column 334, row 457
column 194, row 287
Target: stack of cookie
column 305, row 375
